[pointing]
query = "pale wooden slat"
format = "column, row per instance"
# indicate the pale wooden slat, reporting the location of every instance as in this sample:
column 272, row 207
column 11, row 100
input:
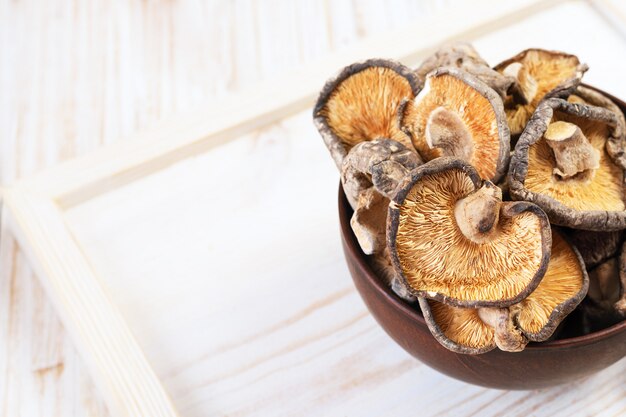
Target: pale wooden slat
column 99, row 86
column 118, row 365
column 609, row 391
column 83, row 178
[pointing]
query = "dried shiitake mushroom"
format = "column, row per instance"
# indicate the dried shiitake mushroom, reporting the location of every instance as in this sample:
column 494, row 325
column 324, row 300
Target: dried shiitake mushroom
column 562, row 288
column 362, row 103
column 370, row 174
column 478, row 330
column 381, row 264
column 458, row 115
column 463, row 55
column 601, row 308
column 595, row 247
column 487, row 273
column 451, row 238
column 561, row 163
column 620, row 305
column 614, row 147
column 538, row 74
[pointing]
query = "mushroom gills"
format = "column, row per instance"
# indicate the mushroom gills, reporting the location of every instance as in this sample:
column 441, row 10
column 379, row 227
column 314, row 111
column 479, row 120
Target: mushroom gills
column 457, row 115
column 459, row 329
column 576, row 172
column 562, row 288
column 524, row 89
column 477, row 330
column 362, row 104
column 538, row 74
column 452, row 238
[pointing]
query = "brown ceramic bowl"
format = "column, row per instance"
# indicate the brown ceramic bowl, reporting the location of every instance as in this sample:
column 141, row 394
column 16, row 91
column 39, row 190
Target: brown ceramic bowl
column 539, row 365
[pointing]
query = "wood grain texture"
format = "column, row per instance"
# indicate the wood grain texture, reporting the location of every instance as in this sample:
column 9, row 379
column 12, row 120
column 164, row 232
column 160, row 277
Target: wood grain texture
column 270, row 362
column 78, row 75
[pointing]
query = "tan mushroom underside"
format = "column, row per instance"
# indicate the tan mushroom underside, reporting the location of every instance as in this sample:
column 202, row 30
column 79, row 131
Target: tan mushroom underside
column 473, row 111
column 562, row 281
column 435, row 256
column 547, row 71
column 597, row 190
column 462, row 325
column 365, row 106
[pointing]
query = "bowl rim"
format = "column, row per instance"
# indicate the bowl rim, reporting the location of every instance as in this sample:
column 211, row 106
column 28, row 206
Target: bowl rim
column 357, row 254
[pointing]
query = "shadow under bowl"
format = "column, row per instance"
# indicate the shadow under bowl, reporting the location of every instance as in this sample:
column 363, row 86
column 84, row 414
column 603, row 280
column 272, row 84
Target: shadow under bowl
column 539, row 365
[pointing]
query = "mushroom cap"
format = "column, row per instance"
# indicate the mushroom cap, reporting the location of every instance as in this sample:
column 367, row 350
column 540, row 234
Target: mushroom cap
column 458, row 329
column 462, row 55
column 436, row 260
column 620, row 305
column 369, row 220
column 361, row 104
column 591, row 201
column 471, row 116
column 561, row 289
column 595, row 247
column 369, row 175
column 381, row 163
column 555, row 74
column 616, row 145
column 604, row 286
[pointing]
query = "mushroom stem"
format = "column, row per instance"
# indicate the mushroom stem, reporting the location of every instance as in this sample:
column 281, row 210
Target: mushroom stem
column 573, row 153
column 477, row 214
column 508, row 338
column 525, row 87
column 369, row 221
column 447, row 131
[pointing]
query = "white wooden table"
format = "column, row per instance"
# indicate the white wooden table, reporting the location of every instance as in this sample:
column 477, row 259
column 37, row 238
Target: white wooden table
column 74, row 77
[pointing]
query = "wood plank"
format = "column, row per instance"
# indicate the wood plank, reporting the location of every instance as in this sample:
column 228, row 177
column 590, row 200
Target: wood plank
column 78, row 180
column 476, row 398
column 117, row 364
column 76, row 75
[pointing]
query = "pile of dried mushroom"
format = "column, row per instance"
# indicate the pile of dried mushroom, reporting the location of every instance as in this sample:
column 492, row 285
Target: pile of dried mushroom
column 493, row 197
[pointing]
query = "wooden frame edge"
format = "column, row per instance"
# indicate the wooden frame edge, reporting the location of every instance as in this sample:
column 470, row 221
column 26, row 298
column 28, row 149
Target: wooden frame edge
column 130, row 386
column 78, row 180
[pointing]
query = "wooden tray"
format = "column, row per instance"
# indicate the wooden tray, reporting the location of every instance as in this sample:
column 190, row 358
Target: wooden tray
column 198, row 268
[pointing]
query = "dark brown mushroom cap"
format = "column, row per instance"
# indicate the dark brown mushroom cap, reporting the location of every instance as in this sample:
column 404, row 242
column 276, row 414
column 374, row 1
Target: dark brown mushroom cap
column 458, row 329
column 381, row 163
column 561, row 289
column 595, row 247
column 591, row 201
column 600, row 308
column 369, row 175
column 381, row 264
column 361, row 104
column 458, row 115
column 620, row 305
column 551, row 73
column 437, row 260
column 462, row 55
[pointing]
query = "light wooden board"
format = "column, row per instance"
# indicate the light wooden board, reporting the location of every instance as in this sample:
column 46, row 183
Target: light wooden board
column 228, row 272
column 74, row 76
